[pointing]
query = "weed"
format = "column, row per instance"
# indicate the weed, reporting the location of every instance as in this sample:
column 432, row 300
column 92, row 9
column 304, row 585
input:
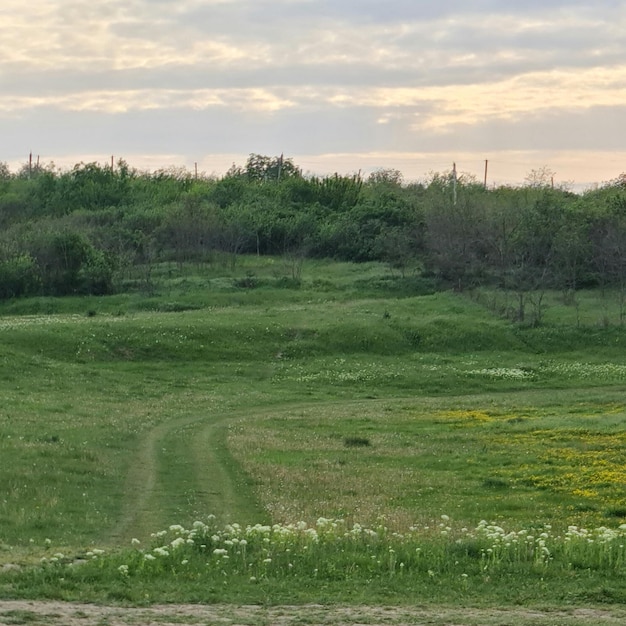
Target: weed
column 495, row 483
column 249, row 281
column 356, row 442
column 20, row 617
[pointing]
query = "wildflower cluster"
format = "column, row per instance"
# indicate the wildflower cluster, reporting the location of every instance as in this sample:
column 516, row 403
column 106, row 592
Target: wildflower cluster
column 504, row 373
column 339, row 371
column 512, row 546
column 606, row 372
column 257, row 550
column 575, row 370
column 330, row 550
column 580, row 462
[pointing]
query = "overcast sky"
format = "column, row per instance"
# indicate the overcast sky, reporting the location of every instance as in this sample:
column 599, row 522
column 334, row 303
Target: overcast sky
column 338, row 85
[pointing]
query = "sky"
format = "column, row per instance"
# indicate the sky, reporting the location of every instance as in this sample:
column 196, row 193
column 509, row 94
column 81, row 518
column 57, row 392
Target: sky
column 502, row 88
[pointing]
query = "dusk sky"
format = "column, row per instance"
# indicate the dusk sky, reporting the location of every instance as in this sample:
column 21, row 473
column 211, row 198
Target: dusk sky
column 337, row 85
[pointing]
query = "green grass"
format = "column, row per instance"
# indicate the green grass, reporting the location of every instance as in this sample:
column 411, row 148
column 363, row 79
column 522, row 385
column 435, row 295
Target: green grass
column 525, row 458
column 356, row 395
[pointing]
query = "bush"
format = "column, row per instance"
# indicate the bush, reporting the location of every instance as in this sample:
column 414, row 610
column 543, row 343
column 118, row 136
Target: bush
column 19, row 276
column 95, row 276
column 67, row 263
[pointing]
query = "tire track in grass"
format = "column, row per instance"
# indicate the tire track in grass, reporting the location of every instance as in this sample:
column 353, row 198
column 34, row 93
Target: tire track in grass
column 224, row 486
column 140, row 485
column 183, row 471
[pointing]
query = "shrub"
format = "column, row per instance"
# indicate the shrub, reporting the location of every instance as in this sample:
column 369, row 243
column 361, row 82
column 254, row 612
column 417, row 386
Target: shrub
column 19, row 276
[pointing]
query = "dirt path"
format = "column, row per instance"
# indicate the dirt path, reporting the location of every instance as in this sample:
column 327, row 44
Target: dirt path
column 69, row 614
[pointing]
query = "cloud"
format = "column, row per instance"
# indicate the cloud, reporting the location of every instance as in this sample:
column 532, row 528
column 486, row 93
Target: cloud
column 326, row 76
column 116, row 102
column 116, row 35
column 431, row 108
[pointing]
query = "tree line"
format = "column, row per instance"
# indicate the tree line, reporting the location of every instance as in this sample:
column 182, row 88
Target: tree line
column 80, row 231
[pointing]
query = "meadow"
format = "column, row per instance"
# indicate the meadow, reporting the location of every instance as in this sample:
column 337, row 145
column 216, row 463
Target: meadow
column 233, row 434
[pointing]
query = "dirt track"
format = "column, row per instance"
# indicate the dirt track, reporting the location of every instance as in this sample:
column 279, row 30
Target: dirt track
column 69, row 614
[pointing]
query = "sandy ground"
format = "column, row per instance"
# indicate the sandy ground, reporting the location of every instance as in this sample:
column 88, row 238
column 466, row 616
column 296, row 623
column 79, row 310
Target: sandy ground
column 70, row 614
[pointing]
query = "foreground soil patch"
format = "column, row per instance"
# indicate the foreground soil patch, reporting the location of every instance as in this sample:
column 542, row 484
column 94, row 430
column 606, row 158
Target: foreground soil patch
column 71, row 614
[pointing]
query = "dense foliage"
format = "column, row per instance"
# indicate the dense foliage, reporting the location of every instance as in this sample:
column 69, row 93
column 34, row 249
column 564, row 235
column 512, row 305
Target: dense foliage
column 79, row 231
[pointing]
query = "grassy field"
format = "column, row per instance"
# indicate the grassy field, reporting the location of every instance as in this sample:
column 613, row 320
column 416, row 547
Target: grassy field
column 352, row 436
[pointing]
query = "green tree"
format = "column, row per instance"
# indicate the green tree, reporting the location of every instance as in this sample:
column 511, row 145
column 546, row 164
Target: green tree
column 263, row 169
column 189, row 230
column 68, row 263
column 457, row 234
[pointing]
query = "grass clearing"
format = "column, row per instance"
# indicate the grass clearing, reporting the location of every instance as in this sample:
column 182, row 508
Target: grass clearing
column 523, row 458
column 339, row 399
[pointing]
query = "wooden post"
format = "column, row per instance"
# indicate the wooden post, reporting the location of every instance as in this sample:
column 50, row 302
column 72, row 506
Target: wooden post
column 30, row 165
column 111, row 162
column 486, row 163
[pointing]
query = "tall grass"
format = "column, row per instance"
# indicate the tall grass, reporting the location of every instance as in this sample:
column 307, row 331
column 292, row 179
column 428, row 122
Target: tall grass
column 270, row 563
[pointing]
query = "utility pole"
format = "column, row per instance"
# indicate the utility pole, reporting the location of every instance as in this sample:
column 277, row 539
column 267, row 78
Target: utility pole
column 280, row 166
column 454, row 184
